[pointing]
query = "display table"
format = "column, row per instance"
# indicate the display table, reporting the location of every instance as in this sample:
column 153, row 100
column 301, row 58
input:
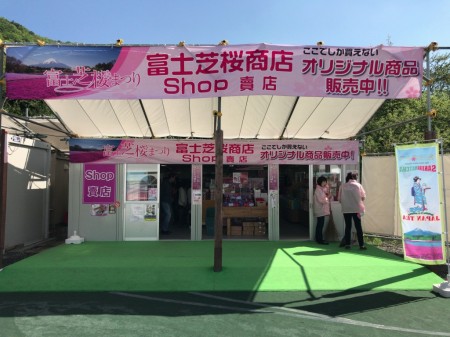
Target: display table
column 243, row 212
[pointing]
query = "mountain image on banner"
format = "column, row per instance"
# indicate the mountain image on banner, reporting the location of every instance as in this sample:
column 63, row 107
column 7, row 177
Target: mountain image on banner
column 420, row 234
column 51, row 63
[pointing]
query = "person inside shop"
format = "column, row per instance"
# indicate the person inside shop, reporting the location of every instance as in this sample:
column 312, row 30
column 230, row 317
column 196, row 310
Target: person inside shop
column 321, row 208
column 189, row 202
column 182, row 205
column 166, row 197
column 351, row 196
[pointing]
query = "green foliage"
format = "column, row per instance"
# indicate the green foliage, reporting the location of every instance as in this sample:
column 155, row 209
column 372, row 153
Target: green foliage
column 405, row 120
column 440, row 72
column 12, row 32
column 395, row 114
column 375, row 241
column 35, row 108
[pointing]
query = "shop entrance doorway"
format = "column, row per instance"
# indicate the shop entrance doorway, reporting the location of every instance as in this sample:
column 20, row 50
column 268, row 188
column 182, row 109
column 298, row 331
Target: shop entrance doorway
column 245, row 202
column 180, row 222
column 294, row 202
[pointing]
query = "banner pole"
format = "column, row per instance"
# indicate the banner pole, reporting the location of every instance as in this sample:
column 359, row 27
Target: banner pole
column 444, row 288
column 445, row 209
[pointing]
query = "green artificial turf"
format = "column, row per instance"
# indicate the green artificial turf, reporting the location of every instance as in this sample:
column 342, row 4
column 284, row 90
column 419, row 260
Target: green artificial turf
column 188, row 266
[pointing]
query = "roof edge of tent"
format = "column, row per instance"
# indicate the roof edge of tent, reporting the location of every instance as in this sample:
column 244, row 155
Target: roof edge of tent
column 78, row 125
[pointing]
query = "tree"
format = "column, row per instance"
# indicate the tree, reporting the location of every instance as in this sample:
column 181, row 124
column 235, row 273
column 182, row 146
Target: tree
column 13, row 32
column 440, row 71
column 402, row 121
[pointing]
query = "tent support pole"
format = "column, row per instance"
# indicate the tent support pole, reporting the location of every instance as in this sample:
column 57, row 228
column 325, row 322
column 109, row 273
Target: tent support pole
column 443, row 288
column 429, row 133
column 3, row 191
column 218, row 195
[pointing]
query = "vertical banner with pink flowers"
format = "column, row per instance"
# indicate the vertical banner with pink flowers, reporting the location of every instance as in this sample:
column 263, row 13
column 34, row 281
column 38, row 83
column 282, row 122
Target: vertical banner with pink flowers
column 419, row 184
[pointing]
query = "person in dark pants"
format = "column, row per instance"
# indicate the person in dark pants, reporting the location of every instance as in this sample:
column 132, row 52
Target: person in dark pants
column 351, row 196
column 166, row 203
column 321, row 208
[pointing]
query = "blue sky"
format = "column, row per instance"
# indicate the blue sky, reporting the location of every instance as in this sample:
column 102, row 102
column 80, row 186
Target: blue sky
column 297, row 22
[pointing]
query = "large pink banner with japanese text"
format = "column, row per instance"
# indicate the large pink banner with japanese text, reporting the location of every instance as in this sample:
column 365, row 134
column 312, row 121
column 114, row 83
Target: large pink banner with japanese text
column 140, row 72
column 235, row 152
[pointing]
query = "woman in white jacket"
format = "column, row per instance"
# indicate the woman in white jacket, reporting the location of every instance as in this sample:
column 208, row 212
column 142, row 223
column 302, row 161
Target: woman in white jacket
column 321, row 208
column 352, row 196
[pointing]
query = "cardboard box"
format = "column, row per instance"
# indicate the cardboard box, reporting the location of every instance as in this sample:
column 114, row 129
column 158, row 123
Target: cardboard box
column 260, row 228
column 236, row 230
column 248, row 230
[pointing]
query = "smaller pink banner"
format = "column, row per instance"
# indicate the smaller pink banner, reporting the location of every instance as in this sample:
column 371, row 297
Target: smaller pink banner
column 235, row 152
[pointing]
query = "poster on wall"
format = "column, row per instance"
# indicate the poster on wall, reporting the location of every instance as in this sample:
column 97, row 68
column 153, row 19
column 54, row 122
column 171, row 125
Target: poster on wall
column 419, row 185
column 137, row 213
column 141, row 186
column 197, row 197
column 150, row 212
column 240, row 178
column 99, row 183
column 152, row 194
column 99, row 209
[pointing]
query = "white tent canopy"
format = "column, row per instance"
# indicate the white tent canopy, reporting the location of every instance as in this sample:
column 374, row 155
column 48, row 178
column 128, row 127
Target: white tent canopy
column 244, row 117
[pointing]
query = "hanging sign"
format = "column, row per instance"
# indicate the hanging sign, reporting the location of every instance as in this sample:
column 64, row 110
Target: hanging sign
column 164, row 72
column 235, row 152
column 99, row 184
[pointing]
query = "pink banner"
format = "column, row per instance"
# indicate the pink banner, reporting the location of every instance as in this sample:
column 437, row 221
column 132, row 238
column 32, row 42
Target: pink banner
column 140, row 72
column 235, row 152
column 99, row 184
column 273, row 177
column 196, row 177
